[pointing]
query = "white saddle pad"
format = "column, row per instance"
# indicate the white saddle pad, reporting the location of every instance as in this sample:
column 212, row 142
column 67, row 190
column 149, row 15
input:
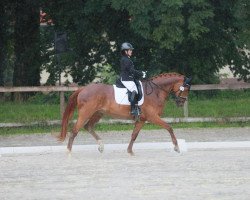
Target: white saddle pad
column 121, row 96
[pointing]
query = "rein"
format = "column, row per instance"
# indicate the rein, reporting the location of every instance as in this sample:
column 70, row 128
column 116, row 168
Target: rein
column 150, row 82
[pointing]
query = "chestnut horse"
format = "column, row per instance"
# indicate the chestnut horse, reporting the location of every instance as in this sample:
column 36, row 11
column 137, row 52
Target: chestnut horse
column 95, row 100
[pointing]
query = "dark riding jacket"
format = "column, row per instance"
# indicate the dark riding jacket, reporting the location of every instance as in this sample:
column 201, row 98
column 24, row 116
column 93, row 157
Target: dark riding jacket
column 128, row 72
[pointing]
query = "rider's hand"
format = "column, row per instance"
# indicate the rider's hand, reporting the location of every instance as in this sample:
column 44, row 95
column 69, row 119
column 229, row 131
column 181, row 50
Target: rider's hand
column 144, row 74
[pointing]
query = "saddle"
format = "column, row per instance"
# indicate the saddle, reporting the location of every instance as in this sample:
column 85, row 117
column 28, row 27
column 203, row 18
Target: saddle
column 119, row 84
column 123, row 95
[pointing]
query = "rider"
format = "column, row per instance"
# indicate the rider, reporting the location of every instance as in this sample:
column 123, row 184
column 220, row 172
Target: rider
column 129, row 75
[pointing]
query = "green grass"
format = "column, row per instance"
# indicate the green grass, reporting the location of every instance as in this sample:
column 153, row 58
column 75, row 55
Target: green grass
column 25, row 112
column 218, row 104
column 208, row 104
column 220, row 108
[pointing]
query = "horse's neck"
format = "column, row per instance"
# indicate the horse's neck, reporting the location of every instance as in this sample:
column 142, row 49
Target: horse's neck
column 166, row 83
column 161, row 85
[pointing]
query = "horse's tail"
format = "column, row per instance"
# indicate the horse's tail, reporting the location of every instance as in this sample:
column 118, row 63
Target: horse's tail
column 67, row 115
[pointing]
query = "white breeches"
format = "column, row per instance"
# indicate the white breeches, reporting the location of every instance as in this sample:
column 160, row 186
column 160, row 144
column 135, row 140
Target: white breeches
column 130, row 85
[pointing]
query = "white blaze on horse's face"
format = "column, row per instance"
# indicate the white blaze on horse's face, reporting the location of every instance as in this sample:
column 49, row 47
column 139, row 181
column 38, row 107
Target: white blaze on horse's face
column 182, row 88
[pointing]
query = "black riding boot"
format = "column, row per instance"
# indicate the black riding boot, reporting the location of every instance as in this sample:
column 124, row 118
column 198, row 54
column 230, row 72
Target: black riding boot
column 135, row 109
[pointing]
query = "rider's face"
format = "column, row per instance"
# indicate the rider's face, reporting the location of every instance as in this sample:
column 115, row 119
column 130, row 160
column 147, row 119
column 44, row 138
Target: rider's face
column 129, row 52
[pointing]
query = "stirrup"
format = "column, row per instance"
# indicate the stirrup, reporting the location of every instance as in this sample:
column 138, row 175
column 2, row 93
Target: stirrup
column 133, row 112
column 136, row 113
column 136, row 110
column 139, row 109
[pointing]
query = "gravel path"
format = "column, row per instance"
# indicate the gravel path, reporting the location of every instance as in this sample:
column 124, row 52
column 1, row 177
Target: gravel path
column 149, row 175
column 112, row 137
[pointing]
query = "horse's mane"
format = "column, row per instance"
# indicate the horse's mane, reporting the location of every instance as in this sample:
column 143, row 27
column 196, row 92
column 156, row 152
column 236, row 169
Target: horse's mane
column 166, row 75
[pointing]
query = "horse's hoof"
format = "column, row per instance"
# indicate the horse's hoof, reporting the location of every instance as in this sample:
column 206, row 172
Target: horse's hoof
column 69, row 153
column 101, row 148
column 177, row 149
column 131, row 153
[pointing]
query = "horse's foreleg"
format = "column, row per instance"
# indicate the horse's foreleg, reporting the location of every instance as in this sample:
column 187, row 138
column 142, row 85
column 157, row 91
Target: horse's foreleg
column 159, row 121
column 90, row 128
column 137, row 128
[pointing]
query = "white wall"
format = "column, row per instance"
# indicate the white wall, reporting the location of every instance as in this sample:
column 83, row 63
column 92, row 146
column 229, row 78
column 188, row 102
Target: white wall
column 45, row 75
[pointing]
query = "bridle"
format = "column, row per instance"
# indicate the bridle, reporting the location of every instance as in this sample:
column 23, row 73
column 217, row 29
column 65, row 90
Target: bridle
column 178, row 98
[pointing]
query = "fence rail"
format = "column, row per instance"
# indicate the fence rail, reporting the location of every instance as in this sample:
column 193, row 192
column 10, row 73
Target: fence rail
column 237, row 86
column 63, row 89
column 74, row 88
column 39, row 89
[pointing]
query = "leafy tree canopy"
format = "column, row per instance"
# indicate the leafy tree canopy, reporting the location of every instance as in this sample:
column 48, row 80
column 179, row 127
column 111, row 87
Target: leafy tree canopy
column 193, row 37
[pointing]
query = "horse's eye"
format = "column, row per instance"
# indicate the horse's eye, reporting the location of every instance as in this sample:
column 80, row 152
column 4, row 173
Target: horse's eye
column 182, row 88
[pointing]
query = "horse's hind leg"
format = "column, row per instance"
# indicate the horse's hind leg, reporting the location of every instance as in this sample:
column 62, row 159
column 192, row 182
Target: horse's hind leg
column 137, row 128
column 74, row 132
column 90, row 128
column 83, row 116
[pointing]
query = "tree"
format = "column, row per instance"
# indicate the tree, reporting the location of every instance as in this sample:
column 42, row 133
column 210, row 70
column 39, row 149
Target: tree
column 82, row 38
column 2, row 45
column 6, row 44
column 26, row 40
column 240, row 39
column 193, row 37
column 3, row 39
column 167, row 29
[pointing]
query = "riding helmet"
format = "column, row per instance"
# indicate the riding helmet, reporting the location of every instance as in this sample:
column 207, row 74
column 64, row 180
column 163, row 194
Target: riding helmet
column 126, row 46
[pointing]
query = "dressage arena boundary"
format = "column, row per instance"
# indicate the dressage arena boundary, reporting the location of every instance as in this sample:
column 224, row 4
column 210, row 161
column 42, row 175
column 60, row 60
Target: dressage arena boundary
column 184, row 147
column 115, row 121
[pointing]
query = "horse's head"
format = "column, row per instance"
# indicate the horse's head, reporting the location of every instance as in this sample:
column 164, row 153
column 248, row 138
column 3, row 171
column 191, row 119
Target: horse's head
column 181, row 90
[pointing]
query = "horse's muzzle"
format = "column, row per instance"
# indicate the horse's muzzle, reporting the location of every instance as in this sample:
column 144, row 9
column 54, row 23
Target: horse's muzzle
column 180, row 101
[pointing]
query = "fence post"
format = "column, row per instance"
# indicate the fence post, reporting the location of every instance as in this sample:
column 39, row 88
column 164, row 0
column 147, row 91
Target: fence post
column 185, row 108
column 62, row 103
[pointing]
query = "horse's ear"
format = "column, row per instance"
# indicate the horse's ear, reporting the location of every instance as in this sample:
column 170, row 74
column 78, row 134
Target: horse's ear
column 187, row 81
